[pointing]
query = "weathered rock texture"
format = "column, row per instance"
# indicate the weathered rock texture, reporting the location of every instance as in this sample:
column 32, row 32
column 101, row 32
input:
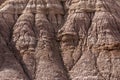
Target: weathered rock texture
column 59, row 40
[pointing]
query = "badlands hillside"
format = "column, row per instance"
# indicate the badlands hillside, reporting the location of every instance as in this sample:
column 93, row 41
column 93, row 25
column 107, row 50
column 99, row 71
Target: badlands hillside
column 59, row 39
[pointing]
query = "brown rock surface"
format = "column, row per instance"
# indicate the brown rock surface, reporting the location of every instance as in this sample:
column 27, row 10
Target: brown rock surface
column 59, row 40
column 2, row 1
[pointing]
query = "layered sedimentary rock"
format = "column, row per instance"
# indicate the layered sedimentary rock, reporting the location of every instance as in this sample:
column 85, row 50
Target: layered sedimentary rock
column 60, row 40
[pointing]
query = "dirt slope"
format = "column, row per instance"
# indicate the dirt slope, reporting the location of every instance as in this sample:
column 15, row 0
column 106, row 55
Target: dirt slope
column 59, row 40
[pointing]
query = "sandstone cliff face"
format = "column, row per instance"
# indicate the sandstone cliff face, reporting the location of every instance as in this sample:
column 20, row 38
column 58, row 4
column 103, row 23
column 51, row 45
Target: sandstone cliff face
column 59, row 40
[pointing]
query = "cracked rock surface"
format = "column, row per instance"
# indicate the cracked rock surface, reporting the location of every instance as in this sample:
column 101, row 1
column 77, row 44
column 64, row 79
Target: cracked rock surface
column 59, row 40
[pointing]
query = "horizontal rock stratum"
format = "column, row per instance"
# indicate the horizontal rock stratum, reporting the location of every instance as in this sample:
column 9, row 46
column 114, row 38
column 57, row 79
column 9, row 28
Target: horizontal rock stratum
column 59, row 39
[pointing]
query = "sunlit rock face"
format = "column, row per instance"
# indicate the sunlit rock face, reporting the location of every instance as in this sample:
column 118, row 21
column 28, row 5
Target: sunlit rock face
column 59, row 40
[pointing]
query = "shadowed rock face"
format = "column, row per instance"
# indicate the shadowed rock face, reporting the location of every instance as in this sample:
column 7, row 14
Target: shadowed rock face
column 59, row 40
column 2, row 1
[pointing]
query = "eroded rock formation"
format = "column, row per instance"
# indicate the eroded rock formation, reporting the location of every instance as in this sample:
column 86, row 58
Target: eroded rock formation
column 59, row 40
